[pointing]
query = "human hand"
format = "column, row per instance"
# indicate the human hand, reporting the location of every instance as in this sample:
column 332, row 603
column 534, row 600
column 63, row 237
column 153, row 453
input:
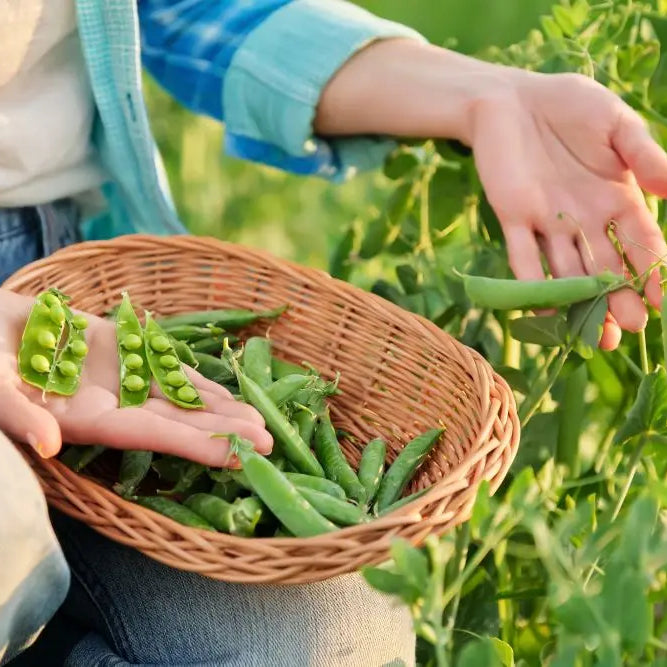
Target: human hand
column 92, row 415
column 559, row 156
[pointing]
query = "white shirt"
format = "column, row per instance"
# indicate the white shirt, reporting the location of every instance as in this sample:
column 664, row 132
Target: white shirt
column 46, row 105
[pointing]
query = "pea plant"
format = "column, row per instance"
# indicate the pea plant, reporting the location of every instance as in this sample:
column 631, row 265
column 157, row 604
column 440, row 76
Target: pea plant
column 565, row 564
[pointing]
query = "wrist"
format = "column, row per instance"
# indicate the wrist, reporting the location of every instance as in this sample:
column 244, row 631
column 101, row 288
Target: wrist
column 405, row 88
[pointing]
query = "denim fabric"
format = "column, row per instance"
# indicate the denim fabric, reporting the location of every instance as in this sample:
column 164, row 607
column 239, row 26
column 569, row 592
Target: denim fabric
column 142, row 613
column 30, row 233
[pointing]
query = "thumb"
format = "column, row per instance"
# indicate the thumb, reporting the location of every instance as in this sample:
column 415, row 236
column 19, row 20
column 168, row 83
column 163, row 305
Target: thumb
column 25, row 421
column 642, row 155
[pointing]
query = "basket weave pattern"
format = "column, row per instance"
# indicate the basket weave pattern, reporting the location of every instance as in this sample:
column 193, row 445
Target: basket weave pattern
column 400, row 375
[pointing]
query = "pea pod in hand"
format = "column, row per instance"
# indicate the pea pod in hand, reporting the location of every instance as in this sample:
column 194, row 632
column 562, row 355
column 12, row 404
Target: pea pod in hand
column 135, row 372
column 172, row 379
column 40, row 340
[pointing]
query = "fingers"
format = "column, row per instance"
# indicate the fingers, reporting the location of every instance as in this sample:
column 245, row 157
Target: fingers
column 563, row 256
column 524, row 253
column 201, row 382
column 234, row 420
column 139, row 428
column 28, row 422
column 644, row 245
column 643, row 156
column 611, row 334
column 625, row 305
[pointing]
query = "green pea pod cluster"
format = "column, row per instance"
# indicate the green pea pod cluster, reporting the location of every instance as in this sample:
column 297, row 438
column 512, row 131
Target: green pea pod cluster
column 306, row 487
column 53, row 345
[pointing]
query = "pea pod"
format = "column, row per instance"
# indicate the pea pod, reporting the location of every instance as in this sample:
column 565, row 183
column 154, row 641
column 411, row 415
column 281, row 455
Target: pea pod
column 281, row 368
column 321, row 484
column 293, row 447
column 404, row 466
column 135, row 372
column 507, row 294
column 403, row 501
column 184, row 353
column 173, row 510
column 257, row 360
column 189, row 473
column 190, row 333
column 40, row 340
column 208, row 345
column 227, row 490
column 237, row 518
column 279, row 494
column 134, row 466
column 341, row 512
column 78, row 457
column 65, row 375
column 174, row 383
column 215, row 369
column 284, row 389
column 371, row 467
column 334, row 462
column 225, row 318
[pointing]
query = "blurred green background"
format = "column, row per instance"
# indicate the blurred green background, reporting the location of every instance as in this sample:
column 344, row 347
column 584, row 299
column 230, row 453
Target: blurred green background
column 293, row 217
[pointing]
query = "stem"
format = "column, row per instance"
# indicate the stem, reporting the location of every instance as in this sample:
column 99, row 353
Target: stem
column 511, row 346
column 460, row 555
column 533, row 400
column 643, row 352
column 425, row 245
column 634, row 466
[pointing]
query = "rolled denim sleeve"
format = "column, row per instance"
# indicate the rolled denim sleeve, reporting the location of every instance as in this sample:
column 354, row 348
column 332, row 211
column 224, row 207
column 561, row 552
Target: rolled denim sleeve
column 261, row 68
column 34, row 577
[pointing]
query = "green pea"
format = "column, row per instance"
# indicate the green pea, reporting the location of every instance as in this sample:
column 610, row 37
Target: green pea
column 132, row 342
column 133, row 361
column 134, row 383
column 40, row 309
column 68, row 368
column 169, row 361
column 176, row 378
column 79, row 348
column 79, row 322
column 47, row 339
column 40, row 363
column 57, row 314
column 187, row 394
column 51, row 300
column 160, row 343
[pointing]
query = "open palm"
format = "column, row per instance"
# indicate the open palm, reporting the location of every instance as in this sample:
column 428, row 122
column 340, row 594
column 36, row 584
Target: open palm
column 560, row 159
column 92, row 415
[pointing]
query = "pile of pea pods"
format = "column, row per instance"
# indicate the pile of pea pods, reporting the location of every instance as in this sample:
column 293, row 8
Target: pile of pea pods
column 306, row 487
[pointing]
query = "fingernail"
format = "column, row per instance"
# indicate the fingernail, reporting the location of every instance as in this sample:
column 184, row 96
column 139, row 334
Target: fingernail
column 35, row 444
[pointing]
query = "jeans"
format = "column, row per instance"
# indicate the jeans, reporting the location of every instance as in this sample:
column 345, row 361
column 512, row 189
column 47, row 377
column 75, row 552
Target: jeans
column 123, row 609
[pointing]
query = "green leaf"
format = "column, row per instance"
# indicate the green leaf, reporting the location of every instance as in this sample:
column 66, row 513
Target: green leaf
column 649, row 412
column 570, row 19
column 604, row 376
column 503, row 651
column 399, row 164
column 399, row 203
column 523, row 490
column 409, row 278
column 575, row 616
column 551, row 29
column 375, row 238
column 637, row 531
column 411, row 563
column 340, row 266
column 571, row 413
column 490, row 219
column 638, row 62
column 483, row 511
column 545, row 330
column 515, row 378
column 446, row 194
column 391, row 584
column 584, row 321
column 478, row 653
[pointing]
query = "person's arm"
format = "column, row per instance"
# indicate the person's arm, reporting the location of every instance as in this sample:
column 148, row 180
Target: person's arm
column 316, row 85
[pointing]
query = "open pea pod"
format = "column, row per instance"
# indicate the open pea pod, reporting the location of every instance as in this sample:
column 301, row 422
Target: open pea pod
column 166, row 367
column 40, row 340
column 135, row 372
column 65, row 375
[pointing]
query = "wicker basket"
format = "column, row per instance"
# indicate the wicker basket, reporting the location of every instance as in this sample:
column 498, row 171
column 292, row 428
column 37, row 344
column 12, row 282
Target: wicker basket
column 400, row 375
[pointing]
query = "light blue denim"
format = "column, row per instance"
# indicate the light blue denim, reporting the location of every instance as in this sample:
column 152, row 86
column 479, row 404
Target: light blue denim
column 126, row 610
